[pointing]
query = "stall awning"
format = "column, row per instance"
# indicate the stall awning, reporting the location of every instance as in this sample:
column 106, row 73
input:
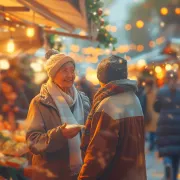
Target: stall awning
column 22, row 44
column 66, row 14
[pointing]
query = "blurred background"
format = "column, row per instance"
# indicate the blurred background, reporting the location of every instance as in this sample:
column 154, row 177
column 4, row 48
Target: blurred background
column 145, row 32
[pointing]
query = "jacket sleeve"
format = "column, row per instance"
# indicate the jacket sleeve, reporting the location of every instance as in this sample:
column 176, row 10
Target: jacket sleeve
column 102, row 146
column 38, row 139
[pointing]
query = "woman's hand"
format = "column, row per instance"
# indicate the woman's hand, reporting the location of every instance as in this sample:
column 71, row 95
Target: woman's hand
column 70, row 130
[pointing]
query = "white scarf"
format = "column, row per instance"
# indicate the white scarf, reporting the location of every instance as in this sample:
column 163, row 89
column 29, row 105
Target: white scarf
column 63, row 103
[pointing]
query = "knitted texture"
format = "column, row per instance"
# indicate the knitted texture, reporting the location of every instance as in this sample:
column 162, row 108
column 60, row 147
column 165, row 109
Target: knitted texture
column 55, row 62
column 111, row 69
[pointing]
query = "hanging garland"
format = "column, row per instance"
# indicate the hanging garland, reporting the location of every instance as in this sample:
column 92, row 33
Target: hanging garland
column 53, row 43
column 96, row 15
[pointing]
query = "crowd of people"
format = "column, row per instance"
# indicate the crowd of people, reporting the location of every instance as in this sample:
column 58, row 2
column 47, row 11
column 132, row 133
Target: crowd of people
column 78, row 132
column 161, row 115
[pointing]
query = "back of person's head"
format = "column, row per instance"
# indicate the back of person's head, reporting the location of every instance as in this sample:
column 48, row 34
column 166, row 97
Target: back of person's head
column 111, row 69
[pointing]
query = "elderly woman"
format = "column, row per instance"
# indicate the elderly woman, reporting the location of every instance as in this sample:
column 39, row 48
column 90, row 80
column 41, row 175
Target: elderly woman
column 54, row 122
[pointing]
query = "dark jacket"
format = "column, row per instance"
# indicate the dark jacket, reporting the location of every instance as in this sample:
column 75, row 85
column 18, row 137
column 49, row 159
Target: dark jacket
column 168, row 128
column 116, row 148
column 45, row 140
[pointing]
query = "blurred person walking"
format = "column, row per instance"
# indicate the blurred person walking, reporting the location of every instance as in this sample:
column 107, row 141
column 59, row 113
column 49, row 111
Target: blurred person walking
column 150, row 116
column 168, row 128
column 113, row 141
column 26, row 86
column 53, row 134
column 86, row 86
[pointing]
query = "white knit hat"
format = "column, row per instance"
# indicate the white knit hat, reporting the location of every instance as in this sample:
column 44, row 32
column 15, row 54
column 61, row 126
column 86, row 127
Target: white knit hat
column 55, row 62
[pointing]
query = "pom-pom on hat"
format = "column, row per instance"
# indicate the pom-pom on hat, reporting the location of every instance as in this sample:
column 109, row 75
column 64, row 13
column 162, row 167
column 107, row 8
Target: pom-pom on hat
column 111, row 69
column 55, row 61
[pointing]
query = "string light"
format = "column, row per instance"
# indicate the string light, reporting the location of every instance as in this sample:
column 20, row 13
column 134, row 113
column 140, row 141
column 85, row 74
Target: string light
column 128, row 27
column 140, row 24
column 151, row 72
column 160, row 75
column 164, row 11
column 141, row 63
column 177, row 11
column 175, row 66
column 4, row 64
column 140, row 48
column 7, row 18
column 10, row 46
column 158, row 69
column 30, row 32
column 152, row 44
column 168, row 67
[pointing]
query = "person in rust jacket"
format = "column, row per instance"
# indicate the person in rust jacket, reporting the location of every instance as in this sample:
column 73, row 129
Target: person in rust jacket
column 113, row 140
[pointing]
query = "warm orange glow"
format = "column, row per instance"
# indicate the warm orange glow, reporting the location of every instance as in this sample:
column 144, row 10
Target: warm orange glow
column 168, row 67
column 164, row 11
column 128, row 58
column 30, row 32
column 140, row 24
column 177, row 11
column 140, row 48
column 123, row 49
column 141, row 63
column 160, row 75
column 82, row 33
column 108, row 27
column 128, row 27
column 152, row 44
column 160, row 40
column 132, row 46
column 75, row 48
column 158, row 69
column 133, row 78
column 175, row 66
column 113, row 28
column 12, row 29
column 10, row 46
column 91, row 75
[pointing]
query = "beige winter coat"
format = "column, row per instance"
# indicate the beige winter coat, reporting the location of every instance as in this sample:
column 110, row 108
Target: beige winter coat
column 150, row 99
column 45, row 140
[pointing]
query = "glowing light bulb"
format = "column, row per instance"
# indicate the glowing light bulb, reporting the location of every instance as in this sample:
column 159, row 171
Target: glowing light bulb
column 140, row 24
column 158, row 69
column 10, row 46
column 177, row 11
column 164, row 11
column 168, row 67
column 30, row 32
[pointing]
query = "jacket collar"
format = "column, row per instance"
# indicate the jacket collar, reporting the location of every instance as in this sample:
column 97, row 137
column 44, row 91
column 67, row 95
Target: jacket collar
column 45, row 97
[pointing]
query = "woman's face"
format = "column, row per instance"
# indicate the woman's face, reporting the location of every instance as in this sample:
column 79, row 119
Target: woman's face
column 65, row 76
column 6, row 88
